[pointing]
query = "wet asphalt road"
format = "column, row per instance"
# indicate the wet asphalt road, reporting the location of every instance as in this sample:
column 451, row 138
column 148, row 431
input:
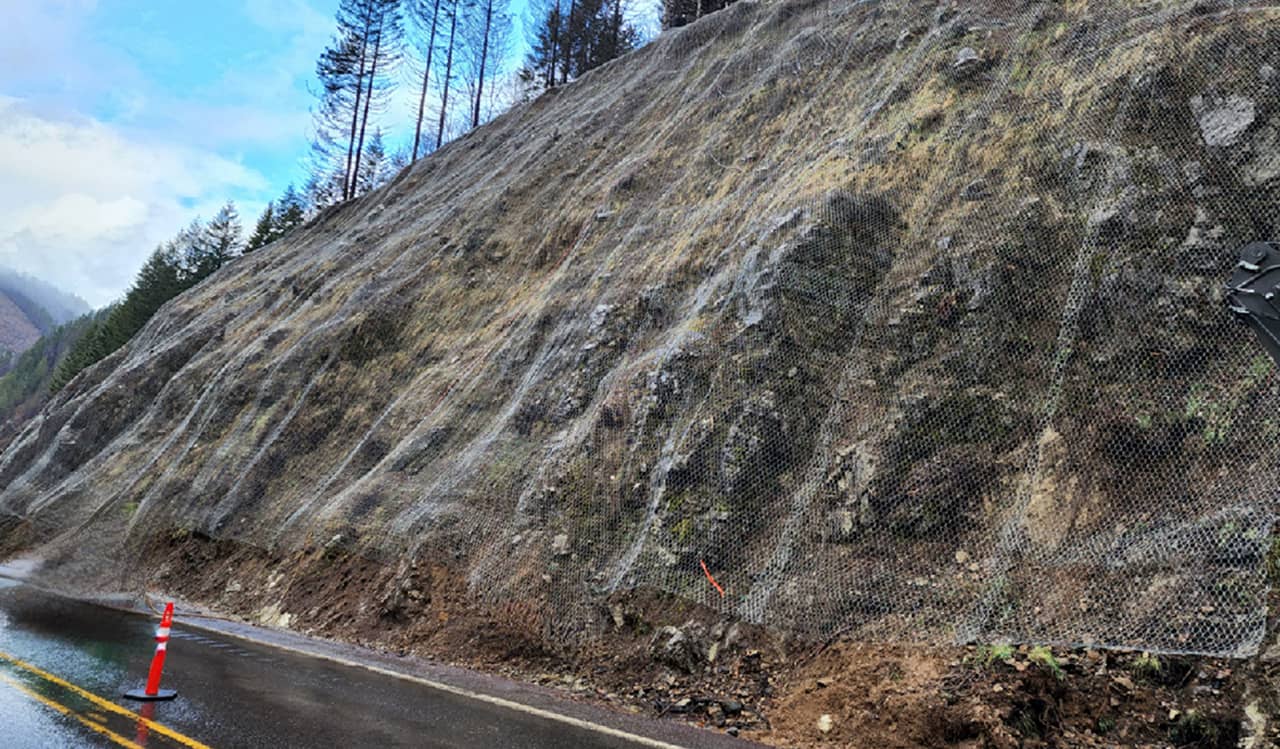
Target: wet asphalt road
column 232, row 693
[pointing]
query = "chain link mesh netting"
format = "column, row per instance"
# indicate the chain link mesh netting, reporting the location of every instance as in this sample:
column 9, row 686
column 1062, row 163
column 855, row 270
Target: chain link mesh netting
column 905, row 319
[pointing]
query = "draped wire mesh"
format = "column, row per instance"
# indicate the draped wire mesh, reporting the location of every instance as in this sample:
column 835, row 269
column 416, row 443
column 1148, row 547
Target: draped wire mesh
column 916, row 334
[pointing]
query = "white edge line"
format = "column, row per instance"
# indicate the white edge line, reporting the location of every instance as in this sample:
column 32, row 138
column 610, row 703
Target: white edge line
column 441, row 686
column 449, row 688
column 460, row 692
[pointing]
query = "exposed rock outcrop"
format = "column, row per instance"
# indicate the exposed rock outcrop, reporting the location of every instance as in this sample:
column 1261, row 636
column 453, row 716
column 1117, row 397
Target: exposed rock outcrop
column 814, row 295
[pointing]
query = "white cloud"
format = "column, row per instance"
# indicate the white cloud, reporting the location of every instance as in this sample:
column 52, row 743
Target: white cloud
column 293, row 16
column 82, row 203
column 119, row 123
column 95, row 219
column 38, row 33
column 101, row 161
column 49, row 50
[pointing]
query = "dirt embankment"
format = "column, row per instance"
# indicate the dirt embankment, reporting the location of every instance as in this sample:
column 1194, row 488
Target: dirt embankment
column 650, row 653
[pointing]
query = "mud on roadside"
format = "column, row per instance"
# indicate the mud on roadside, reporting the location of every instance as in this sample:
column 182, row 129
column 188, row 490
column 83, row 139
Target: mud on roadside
column 650, row 653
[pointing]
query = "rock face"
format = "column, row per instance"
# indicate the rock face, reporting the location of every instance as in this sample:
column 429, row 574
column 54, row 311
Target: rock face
column 1223, row 121
column 815, row 295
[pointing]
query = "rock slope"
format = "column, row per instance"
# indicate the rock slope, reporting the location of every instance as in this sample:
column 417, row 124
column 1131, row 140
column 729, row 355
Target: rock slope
column 895, row 318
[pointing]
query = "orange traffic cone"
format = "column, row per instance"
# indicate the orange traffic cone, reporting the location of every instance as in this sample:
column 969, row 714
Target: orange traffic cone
column 153, row 692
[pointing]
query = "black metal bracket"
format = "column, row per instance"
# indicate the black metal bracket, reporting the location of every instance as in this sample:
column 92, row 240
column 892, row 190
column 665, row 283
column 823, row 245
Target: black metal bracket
column 1253, row 293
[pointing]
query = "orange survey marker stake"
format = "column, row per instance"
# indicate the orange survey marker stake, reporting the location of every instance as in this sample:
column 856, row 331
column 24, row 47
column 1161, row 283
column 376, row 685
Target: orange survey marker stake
column 707, row 572
column 153, row 692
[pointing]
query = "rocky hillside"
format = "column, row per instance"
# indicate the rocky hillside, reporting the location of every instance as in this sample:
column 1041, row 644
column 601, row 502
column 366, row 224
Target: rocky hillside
column 898, row 319
column 17, row 330
column 57, row 305
column 30, row 308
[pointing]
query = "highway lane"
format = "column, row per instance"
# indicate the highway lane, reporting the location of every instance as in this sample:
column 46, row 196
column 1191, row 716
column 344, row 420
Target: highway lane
column 64, row 665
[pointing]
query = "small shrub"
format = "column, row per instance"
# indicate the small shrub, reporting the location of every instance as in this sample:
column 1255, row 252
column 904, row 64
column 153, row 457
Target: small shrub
column 1215, row 417
column 1025, row 723
column 1031, row 719
column 989, row 654
column 1260, row 368
column 1146, row 666
column 1043, row 657
column 1193, row 729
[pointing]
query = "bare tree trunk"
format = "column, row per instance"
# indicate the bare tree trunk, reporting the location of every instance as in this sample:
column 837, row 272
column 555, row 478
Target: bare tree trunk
column 568, row 42
column 355, row 118
column 617, row 29
column 484, row 57
column 368, row 100
column 448, row 73
column 426, row 77
column 555, row 47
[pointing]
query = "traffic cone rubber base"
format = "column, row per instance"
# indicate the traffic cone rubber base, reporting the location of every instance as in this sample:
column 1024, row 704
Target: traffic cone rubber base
column 160, row 696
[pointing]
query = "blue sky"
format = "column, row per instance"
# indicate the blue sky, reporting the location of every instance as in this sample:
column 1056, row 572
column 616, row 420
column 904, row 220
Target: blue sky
column 122, row 120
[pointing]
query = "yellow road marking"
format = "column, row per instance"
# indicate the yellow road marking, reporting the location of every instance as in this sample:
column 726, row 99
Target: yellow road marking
column 105, row 704
column 115, row 737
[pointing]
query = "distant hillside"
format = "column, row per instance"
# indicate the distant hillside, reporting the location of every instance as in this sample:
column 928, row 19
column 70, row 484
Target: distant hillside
column 24, row 388
column 18, row 331
column 60, row 307
column 29, row 309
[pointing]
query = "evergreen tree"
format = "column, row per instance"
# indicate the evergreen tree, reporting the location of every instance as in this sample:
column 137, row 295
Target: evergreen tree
column 540, row 65
column 197, row 251
column 264, row 232
column 597, row 34
column 616, row 40
column 217, row 242
column 162, row 277
column 388, row 33
column 400, row 159
column 325, row 188
column 375, row 167
column 292, row 212
column 486, row 38
column 278, row 219
column 680, row 12
column 81, row 356
column 353, row 73
column 593, row 33
column 187, row 249
column 567, row 42
column 340, row 70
